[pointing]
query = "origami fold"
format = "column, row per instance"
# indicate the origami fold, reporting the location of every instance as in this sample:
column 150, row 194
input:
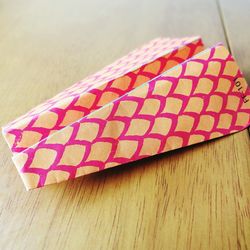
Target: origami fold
column 169, row 94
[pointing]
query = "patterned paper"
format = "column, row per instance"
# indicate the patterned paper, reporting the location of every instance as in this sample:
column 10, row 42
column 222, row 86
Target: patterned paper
column 95, row 91
column 200, row 99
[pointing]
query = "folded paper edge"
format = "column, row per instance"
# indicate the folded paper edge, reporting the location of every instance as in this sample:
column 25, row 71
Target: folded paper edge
column 191, row 40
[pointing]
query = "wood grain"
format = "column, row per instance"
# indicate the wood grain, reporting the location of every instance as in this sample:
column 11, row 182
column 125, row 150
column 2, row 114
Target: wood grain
column 193, row 198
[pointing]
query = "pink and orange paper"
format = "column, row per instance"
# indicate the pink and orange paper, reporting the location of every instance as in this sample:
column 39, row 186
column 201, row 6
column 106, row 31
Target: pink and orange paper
column 169, row 94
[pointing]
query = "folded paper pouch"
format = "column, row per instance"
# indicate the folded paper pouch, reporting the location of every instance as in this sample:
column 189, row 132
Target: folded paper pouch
column 202, row 98
column 99, row 89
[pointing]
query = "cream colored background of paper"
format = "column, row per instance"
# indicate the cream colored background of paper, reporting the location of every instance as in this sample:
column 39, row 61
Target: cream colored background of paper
column 194, row 198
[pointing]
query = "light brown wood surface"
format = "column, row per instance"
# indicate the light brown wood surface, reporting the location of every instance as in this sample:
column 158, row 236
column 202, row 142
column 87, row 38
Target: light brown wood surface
column 193, row 198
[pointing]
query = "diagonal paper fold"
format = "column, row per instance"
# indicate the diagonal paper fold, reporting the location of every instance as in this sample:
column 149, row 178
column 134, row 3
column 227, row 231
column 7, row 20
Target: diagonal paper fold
column 202, row 98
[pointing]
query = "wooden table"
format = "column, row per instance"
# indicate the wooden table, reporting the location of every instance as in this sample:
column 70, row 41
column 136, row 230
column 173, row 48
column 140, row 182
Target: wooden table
column 193, row 198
